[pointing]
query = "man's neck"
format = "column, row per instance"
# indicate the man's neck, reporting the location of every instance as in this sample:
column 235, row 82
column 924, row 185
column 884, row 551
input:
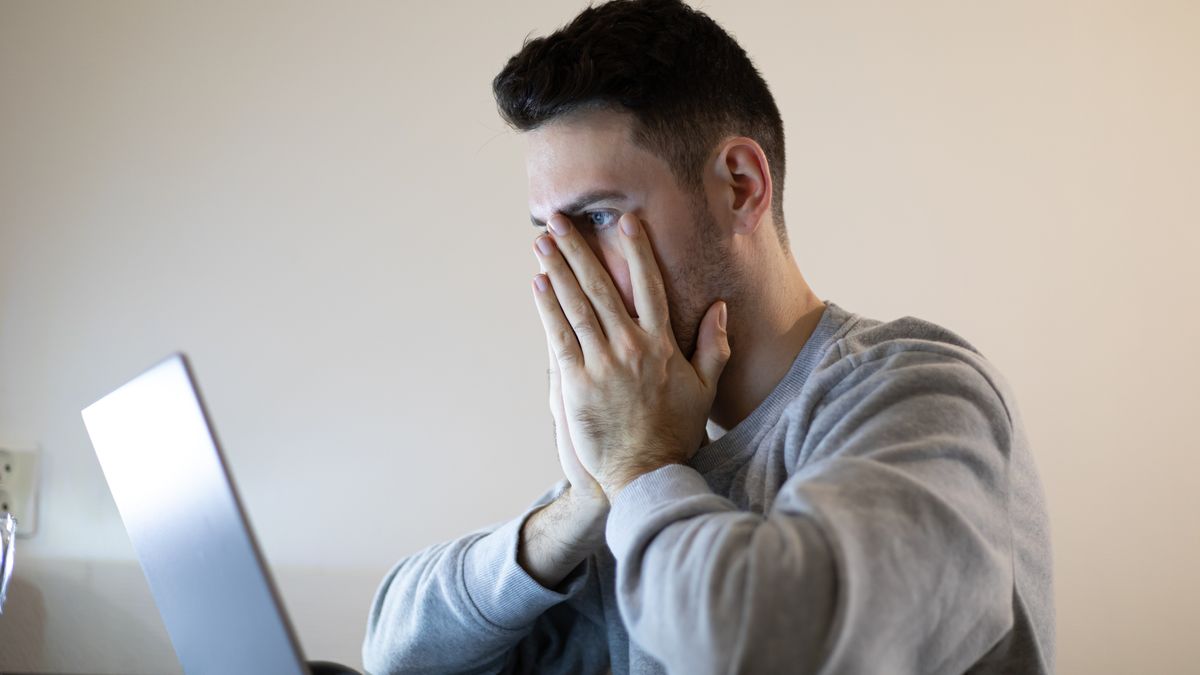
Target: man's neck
column 765, row 341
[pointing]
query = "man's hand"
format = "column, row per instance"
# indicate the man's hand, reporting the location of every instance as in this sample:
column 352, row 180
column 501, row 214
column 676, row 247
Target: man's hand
column 556, row 538
column 632, row 402
column 587, row 491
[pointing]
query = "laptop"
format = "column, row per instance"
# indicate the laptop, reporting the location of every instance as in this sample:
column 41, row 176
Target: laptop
column 164, row 466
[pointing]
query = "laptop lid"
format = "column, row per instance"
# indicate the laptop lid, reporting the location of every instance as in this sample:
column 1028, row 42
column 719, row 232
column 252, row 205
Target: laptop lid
column 164, row 467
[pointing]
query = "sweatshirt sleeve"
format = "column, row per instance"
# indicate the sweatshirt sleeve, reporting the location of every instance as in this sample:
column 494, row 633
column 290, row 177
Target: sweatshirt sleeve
column 889, row 547
column 467, row 606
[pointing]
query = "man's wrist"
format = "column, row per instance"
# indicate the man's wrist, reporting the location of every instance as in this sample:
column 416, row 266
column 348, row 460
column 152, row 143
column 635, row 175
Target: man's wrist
column 591, row 501
column 556, row 538
column 590, row 511
column 613, row 486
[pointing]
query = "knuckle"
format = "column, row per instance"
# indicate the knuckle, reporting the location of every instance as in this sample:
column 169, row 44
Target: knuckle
column 662, row 353
column 664, row 347
column 567, row 357
column 583, row 328
column 612, row 306
column 596, row 288
column 565, row 337
column 580, row 307
column 634, row 350
column 603, row 363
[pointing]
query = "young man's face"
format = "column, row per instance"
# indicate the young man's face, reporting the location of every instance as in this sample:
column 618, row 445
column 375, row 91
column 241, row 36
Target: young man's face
column 587, row 167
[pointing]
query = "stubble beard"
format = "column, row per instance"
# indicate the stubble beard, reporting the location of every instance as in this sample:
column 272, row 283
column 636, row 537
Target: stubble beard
column 707, row 274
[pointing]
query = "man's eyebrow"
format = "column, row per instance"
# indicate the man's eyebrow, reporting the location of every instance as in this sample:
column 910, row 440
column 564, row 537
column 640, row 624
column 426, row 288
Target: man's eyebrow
column 582, row 202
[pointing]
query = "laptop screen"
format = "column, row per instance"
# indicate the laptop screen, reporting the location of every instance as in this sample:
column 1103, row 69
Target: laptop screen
column 185, row 521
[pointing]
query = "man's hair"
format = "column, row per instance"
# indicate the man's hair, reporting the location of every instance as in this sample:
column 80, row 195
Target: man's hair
column 686, row 82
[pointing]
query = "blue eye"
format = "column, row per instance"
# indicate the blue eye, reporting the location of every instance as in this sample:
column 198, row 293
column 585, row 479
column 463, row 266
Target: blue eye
column 600, row 219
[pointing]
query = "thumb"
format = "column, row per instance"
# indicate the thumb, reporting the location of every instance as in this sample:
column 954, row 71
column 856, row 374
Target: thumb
column 712, row 345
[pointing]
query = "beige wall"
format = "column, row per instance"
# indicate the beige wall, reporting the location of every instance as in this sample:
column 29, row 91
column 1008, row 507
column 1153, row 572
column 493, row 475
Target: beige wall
column 319, row 204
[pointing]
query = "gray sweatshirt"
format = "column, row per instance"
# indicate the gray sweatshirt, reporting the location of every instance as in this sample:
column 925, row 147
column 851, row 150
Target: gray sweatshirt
column 878, row 512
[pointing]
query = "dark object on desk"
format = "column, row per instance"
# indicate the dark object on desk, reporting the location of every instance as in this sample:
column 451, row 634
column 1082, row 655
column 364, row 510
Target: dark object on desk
column 327, row 668
column 162, row 462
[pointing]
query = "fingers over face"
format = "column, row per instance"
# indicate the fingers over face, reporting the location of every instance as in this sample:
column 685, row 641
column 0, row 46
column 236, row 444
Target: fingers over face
column 570, row 300
column 649, row 292
column 562, row 339
column 552, row 368
column 575, row 258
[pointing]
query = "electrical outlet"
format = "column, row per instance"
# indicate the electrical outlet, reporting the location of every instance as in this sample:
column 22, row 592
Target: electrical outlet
column 18, row 488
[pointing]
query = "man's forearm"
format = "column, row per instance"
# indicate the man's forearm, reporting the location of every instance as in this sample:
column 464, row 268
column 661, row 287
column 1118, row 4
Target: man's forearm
column 559, row 536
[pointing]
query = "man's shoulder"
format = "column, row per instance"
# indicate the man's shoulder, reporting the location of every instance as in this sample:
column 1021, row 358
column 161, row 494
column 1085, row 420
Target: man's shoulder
column 867, row 338
column 872, row 353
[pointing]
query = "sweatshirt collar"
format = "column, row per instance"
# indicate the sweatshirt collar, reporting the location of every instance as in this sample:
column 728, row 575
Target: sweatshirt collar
column 739, row 440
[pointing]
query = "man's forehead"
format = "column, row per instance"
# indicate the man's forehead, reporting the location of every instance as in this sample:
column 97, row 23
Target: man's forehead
column 567, row 190
column 578, row 143
column 584, row 153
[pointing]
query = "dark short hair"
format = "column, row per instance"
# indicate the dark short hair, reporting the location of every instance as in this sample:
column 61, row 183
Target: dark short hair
column 687, row 83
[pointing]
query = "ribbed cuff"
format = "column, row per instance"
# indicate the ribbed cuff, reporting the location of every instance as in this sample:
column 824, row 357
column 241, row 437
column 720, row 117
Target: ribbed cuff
column 501, row 589
column 655, row 499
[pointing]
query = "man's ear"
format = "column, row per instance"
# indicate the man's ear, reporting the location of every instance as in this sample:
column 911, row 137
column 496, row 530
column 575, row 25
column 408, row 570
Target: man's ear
column 745, row 181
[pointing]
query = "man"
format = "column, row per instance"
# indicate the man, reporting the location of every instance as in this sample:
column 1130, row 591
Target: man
column 868, row 504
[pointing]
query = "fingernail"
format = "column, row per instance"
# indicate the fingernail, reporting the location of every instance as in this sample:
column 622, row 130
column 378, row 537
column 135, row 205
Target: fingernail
column 629, row 225
column 559, row 225
column 723, row 315
column 539, row 282
column 543, row 245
